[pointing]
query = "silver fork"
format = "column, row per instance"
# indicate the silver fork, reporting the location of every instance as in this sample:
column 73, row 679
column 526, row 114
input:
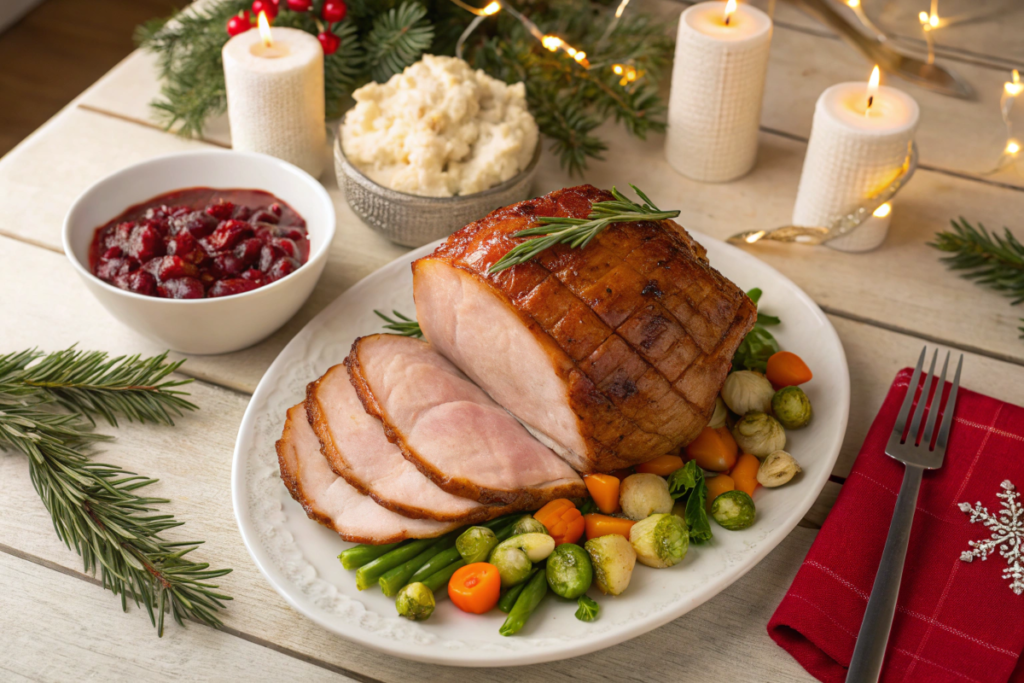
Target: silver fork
column 869, row 652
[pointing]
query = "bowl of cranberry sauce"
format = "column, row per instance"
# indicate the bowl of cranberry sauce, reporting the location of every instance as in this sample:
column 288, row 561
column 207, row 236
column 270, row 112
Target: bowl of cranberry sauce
column 204, row 252
column 199, row 243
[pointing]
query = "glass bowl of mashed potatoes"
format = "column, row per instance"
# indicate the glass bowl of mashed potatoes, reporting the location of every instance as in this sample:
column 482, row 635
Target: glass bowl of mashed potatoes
column 434, row 148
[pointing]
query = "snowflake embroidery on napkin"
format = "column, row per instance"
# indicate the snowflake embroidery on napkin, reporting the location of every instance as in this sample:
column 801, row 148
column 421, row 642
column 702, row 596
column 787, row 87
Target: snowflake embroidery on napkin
column 1007, row 535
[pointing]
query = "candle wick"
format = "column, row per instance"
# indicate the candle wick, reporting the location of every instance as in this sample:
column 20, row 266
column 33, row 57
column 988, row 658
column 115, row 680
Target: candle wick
column 871, row 101
column 728, row 18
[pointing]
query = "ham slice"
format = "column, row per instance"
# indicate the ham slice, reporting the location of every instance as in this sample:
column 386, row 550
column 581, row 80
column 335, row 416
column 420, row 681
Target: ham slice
column 330, row 500
column 451, row 430
column 357, row 450
column 611, row 354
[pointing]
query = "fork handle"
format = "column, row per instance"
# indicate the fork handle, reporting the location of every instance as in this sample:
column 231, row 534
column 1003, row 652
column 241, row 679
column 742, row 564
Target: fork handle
column 868, row 654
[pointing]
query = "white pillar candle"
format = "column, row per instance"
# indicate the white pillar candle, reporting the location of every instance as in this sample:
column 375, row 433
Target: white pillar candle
column 276, row 96
column 717, row 87
column 854, row 153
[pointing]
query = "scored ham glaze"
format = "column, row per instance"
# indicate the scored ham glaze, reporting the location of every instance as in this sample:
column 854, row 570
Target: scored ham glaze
column 611, row 354
column 451, row 430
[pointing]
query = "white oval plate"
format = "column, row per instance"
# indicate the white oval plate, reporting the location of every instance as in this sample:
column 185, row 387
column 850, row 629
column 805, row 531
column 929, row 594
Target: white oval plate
column 298, row 556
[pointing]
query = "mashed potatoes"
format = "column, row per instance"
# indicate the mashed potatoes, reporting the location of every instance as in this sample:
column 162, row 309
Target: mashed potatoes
column 439, row 129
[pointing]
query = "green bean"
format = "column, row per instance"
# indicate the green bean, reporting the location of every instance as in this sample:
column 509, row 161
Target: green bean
column 439, row 579
column 508, row 598
column 435, row 564
column 369, row 573
column 393, row 580
column 356, row 556
column 526, row 603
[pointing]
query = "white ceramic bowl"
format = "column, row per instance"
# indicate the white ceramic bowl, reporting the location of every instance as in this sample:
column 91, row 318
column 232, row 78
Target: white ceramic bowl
column 204, row 326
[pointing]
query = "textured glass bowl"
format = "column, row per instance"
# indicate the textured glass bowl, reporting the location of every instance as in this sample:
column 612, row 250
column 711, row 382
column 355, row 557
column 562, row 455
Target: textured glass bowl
column 412, row 220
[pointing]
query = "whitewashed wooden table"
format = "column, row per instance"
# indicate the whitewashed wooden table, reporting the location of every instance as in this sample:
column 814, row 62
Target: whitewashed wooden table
column 58, row 624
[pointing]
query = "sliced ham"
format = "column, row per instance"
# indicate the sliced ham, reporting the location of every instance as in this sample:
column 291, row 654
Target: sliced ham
column 357, row 450
column 451, row 430
column 611, row 354
column 330, row 500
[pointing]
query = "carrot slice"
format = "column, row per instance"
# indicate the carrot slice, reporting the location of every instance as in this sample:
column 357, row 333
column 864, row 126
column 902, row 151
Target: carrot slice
column 712, row 452
column 475, row 588
column 719, row 485
column 786, row 369
column 745, row 473
column 603, row 525
column 562, row 520
column 604, row 489
column 663, row 466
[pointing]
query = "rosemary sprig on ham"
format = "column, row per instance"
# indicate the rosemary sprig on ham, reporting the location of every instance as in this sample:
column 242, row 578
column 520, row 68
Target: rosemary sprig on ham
column 578, row 232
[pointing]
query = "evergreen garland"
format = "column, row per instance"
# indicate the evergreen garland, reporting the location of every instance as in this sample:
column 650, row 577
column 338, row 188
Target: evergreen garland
column 379, row 38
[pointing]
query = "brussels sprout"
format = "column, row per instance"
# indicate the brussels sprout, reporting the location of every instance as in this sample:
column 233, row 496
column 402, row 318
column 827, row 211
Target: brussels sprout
column 415, row 601
column 642, row 495
column 514, row 557
column 613, row 558
column 721, row 412
column 476, row 543
column 792, row 407
column 777, row 469
column 528, row 524
column 569, row 571
column 746, row 390
column 759, row 434
column 733, row 510
column 660, row 540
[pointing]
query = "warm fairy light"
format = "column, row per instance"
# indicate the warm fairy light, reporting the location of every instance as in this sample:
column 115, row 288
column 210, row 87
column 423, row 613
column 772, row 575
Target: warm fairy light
column 928, row 21
column 264, row 25
column 492, row 9
column 730, row 8
column 628, row 73
column 580, row 56
column 617, row 68
column 876, row 76
column 754, row 236
column 621, row 8
column 883, row 211
column 923, row 18
column 1014, row 87
column 853, row 3
column 933, row 21
column 1012, row 147
column 551, row 42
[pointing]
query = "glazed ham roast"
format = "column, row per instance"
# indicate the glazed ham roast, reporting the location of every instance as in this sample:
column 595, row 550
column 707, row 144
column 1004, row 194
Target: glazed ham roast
column 577, row 361
column 611, row 354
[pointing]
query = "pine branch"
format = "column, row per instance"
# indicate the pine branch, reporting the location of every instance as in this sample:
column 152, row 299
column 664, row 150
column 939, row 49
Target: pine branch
column 397, row 40
column 95, row 507
column 989, row 259
column 578, row 232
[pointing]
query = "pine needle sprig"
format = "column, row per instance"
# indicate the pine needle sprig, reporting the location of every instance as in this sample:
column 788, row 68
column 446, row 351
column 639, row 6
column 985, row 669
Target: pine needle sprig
column 407, row 327
column 578, row 232
column 398, row 38
column 98, row 509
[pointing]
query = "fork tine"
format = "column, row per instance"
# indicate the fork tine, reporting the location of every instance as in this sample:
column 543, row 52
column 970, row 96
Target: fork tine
column 929, row 427
column 922, row 403
column 950, row 407
column 901, row 419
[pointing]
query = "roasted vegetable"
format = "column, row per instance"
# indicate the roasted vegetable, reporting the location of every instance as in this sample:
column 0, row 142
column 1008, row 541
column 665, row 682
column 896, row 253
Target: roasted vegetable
column 588, row 609
column 569, row 571
column 792, row 408
column 662, row 466
column 514, row 557
column 746, row 390
column 415, row 602
column 759, row 434
column 613, row 558
column 744, row 475
column 604, row 490
column 508, row 599
column 786, row 369
column 733, row 510
column 370, row 573
column 714, row 450
column 660, row 540
column 356, row 556
column 602, row 525
column 721, row 413
column 643, row 495
column 528, row 524
column 476, row 543
column 475, row 588
column 562, row 520
column 525, row 605
column 777, row 469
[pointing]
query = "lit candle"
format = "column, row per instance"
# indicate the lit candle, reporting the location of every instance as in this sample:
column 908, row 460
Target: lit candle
column 275, row 91
column 717, row 87
column 859, row 142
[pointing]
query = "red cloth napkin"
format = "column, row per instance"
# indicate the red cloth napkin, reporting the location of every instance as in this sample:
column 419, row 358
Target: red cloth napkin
column 955, row 621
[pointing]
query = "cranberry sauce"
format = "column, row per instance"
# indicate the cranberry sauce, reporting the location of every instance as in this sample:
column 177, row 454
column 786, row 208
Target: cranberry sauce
column 200, row 242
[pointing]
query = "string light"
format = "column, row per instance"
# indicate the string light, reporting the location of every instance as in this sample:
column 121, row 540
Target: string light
column 1011, row 89
column 1012, row 147
column 627, row 72
column 930, row 22
column 882, row 211
column 551, row 42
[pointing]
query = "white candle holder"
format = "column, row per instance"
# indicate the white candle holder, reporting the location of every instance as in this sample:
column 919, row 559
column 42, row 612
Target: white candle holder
column 717, row 87
column 276, row 96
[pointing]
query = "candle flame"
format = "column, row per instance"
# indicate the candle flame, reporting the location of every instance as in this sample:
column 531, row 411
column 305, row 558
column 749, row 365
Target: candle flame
column 1014, row 87
column 492, row 8
column 883, row 211
column 730, row 8
column 1012, row 147
column 853, row 3
column 264, row 25
column 876, row 76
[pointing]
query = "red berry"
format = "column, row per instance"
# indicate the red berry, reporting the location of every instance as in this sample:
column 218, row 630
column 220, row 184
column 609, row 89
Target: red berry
column 329, row 42
column 231, row 286
column 334, row 10
column 240, row 23
column 266, row 6
column 300, row 5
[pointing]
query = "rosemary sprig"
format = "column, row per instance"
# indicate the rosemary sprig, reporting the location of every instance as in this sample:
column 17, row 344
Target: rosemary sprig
column 48, row 406
column 989, row 259
column 578, row 232
column 407, row 327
